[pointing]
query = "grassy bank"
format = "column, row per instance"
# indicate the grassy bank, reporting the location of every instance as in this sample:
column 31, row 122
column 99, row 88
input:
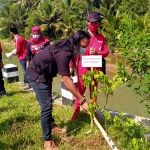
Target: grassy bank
column 7, row 45
column 20, row 126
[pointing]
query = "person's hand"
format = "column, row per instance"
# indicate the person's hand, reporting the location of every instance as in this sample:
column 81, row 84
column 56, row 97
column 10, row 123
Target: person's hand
column 92, row 51
column 85, row 106
column 1, row 65
column 14, row 52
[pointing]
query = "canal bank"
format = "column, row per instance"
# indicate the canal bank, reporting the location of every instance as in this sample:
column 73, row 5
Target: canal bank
column 123, row 99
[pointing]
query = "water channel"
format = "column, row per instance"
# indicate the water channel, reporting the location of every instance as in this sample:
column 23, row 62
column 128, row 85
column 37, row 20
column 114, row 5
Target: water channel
column 122, row 100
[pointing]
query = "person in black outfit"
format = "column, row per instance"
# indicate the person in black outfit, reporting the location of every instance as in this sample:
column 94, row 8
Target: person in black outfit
column 2, row 88
column 52, row 60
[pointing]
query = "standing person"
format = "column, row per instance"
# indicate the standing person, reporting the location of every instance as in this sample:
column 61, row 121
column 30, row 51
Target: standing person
column 20, row 51
column 54, row 59
column 97, row 46
column 36, row 44
column 2, row 88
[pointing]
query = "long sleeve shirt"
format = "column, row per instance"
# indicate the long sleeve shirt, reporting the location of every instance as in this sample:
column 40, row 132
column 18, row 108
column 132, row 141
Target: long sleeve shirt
column 0, row 53
column 20, row 46
column 98, row 42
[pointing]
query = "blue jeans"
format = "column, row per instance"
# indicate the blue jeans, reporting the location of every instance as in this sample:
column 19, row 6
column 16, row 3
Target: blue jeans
column 43, row 95
column 2, row 88
column 23, row 65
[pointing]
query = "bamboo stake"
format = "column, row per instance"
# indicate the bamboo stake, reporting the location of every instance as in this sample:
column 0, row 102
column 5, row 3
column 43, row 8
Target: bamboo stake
column 107, row 138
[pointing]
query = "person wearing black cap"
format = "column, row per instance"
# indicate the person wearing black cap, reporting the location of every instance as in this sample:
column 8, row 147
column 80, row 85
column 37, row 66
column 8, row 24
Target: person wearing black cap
column 97, row 46
column 20, row 50
column 2, row 88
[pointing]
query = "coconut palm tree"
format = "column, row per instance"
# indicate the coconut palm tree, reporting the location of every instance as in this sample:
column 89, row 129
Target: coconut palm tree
column 110, row 22
column 6, row 12
column 45, row 14
column 72, row 17
column 14, row 16
column 143, row 22
column 27, row 3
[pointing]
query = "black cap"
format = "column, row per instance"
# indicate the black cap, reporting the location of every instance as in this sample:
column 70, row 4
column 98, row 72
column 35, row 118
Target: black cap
column 13, row 29
column 93, row 16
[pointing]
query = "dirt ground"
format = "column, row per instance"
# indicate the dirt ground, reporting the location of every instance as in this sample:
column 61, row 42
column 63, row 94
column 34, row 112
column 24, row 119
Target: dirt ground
column 95, row 143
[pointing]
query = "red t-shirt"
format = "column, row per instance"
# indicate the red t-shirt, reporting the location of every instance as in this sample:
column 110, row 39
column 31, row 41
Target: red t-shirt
column 20, row 46
column 98, row 42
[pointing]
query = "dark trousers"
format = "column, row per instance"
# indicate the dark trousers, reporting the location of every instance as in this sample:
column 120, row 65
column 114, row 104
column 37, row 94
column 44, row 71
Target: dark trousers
column 43, row 95
column 2, row 88
column 23, row 65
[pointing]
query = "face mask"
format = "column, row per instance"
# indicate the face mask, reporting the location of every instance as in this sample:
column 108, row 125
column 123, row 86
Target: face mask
column 36, row 36
column 82, row 50
column 93, row 27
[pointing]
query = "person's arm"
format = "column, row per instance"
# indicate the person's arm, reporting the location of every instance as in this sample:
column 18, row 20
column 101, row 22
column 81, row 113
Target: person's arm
column 18, row 45
column 71, row 87
column 28, row 54
column 0, row 53
column 1, row 62
column 104, row 51
column 46, row 44
column 63, row 60
column 100, row 48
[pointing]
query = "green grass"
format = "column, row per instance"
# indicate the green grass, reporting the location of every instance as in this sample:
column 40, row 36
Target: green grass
column 7, row 44
column 20, row 126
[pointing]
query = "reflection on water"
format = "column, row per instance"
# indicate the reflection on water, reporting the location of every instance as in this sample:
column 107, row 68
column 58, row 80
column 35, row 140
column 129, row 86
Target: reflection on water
column 122, row 100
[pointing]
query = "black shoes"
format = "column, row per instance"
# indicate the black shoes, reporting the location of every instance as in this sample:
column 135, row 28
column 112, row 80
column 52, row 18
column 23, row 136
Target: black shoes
column 4, row 94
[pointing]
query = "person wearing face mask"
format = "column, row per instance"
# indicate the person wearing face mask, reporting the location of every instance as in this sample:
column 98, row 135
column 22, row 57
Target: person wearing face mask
column 35, row 44
column 20, row 50
column 97, row 46
column 76, row 66
column 52, row 60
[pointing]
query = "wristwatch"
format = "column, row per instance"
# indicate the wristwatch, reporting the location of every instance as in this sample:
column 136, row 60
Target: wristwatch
column 82, row 102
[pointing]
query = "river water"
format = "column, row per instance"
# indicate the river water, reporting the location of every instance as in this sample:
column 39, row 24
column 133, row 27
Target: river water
column 122, row 100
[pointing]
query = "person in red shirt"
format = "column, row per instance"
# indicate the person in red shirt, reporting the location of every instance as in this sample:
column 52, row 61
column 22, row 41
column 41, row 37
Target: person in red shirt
column 97, row 46
column 20, row 50
column 35, row 44
column 2, row 88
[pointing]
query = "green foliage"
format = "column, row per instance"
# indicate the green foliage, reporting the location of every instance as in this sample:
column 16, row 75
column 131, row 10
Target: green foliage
column 134, row 44
column 140, row 144
column 127, row 128
column 131, row 133
column 134, row 6
column 107, row 86
column 20, row 126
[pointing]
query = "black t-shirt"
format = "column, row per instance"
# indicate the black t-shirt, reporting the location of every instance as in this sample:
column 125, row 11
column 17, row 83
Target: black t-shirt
column 47, row 64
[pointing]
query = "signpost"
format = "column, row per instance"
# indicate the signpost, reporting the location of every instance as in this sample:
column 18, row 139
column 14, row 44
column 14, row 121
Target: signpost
column 96, row 61
column 92, row 61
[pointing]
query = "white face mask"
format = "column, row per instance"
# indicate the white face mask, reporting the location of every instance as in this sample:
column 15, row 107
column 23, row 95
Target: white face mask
column 36, row 36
